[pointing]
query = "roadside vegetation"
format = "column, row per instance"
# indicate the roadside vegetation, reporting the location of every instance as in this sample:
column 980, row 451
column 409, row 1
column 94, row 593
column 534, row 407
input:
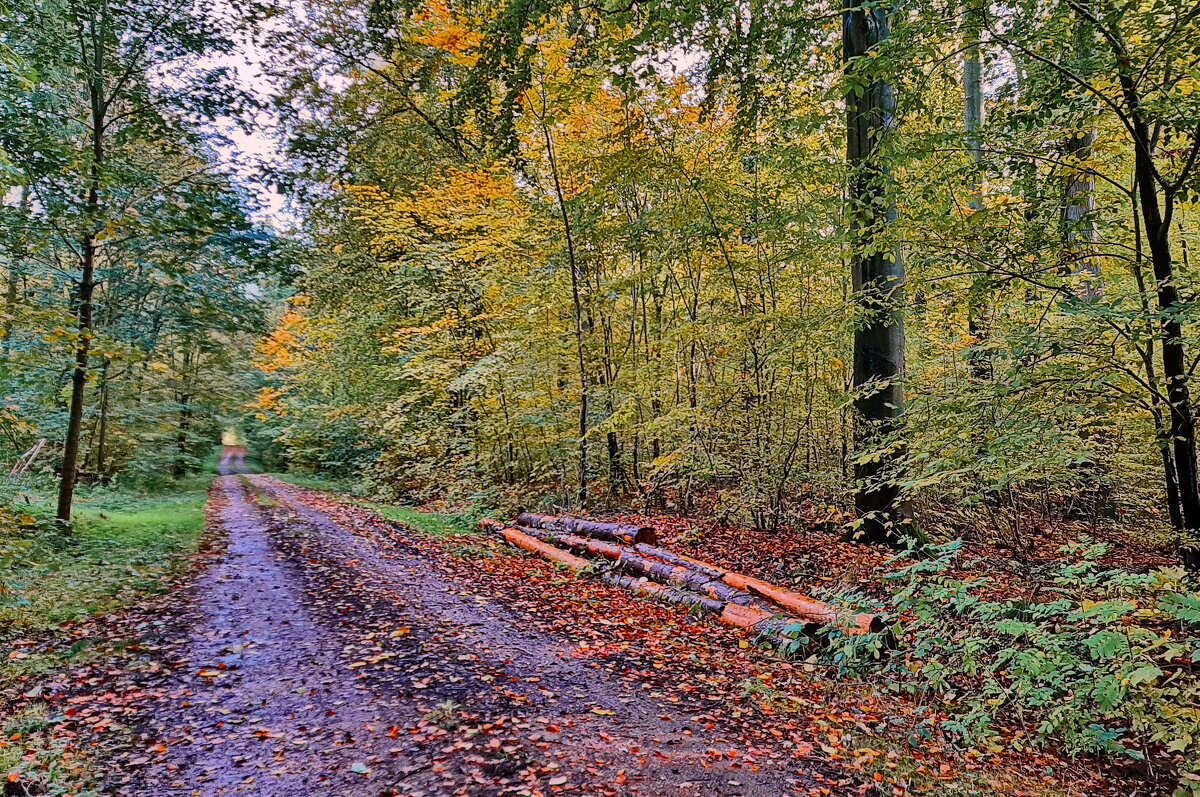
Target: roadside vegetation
column 125, row 546
column 56, row 591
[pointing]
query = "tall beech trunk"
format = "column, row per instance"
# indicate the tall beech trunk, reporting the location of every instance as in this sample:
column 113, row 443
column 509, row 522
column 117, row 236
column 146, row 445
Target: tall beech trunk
column 877, row 279
column 979, row 296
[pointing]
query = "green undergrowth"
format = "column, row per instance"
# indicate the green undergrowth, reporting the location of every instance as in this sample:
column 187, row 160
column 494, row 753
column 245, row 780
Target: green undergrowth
column 1099, row 665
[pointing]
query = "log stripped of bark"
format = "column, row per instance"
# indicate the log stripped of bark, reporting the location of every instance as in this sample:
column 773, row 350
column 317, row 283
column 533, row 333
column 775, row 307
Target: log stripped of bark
column 609, row 532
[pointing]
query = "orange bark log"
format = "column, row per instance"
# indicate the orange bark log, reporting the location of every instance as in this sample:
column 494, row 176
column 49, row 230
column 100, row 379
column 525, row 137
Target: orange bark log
column 801, row 605
column 731, row 614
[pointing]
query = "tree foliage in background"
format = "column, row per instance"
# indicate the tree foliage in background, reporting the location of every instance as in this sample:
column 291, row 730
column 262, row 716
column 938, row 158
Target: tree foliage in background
column 129, row 258
column 607, row 251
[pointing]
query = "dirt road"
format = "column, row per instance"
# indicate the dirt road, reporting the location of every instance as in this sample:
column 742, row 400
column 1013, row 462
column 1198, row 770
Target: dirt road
column 320, row 662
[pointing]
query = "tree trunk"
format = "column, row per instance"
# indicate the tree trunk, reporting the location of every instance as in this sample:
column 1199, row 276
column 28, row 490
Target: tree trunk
column 1156, row 212
column 609, row 532
column 979, row 295
column 1079, row 227
column 1182, row 426
column 765, row 624
column 181, row 438
column 878, row 280
column 70, row 460
column 577, row 303
column 661, row 571
column 16, row 262
column 102, row 424
column 86, row 287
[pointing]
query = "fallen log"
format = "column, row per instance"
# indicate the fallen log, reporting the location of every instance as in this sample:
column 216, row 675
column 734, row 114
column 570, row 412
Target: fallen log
column 704, row 577
column 799, row 604
column 609, row 532
column 776, row 628
column 662, row 572
column 533, row 545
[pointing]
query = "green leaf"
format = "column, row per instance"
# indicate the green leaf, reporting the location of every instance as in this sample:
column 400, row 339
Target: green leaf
column 1144, row 674
column 1181, row 606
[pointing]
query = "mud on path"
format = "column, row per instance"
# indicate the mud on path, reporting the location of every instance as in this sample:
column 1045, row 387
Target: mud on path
column 320, row 662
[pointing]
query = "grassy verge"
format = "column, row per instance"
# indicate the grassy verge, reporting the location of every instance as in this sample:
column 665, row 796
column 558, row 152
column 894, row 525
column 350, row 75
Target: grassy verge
column 41, row 762
column 123, row 547
column 428, row 524
column 322, row 483
column 456, row 530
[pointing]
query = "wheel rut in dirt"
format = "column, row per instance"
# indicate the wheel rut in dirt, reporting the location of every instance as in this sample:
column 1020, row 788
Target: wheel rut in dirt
column 321, row 661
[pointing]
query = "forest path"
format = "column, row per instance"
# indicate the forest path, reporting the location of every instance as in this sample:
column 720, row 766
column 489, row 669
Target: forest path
column 318, row 662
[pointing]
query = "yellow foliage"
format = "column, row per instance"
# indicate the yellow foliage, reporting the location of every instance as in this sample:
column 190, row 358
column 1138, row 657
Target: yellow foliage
column 281, row 349
column 443, row 30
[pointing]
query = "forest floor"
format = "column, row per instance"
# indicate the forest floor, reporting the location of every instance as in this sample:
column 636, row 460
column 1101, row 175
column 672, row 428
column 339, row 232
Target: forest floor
column 320, row 647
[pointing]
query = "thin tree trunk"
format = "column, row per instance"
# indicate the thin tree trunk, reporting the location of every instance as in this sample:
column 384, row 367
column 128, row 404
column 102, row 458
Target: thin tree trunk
column 1156, row 216
column 70, row 462
column 15, row 264
column 578, row 311
column 181, row 437
column 979, row 296
column 1182, row 427
column 1079, row 226
column 102, row 423
column 89, row 249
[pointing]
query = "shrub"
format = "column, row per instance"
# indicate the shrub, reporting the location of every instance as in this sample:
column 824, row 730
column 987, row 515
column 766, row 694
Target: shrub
column 1101, row 662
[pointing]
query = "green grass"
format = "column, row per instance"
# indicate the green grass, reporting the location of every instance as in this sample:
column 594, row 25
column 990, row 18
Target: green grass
column 460, row 534
column 313, row 482
column 452, row 528
column 39, row 762
column 427, row 523
column 122, row 548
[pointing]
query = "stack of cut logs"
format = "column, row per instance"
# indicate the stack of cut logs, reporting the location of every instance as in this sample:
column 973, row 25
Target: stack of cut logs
column 635, row 562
